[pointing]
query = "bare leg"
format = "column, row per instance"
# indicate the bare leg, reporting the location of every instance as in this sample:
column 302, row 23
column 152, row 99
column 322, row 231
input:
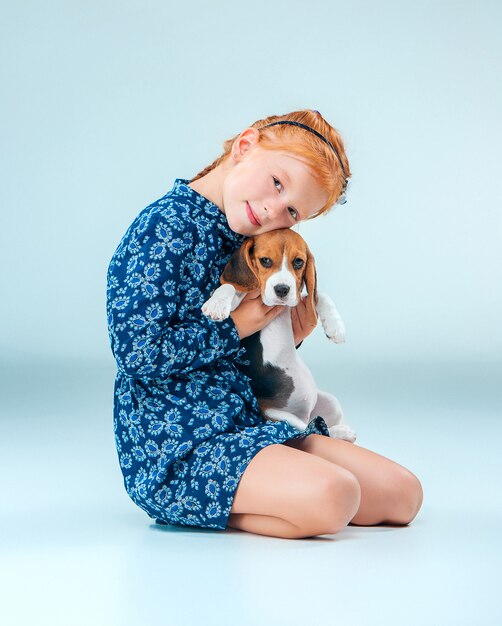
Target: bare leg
column 266, row 525
column 289, row 493
column 389, row 492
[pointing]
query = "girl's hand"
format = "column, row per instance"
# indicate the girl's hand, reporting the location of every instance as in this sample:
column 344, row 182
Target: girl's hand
column 252, row 315
column 301, row 327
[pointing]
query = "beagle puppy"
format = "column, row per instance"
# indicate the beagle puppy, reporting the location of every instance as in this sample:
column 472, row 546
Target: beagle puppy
column 280, row 263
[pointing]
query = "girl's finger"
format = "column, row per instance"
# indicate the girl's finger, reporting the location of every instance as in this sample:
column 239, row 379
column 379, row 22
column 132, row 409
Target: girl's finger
column 251, row 295
column 274, row 310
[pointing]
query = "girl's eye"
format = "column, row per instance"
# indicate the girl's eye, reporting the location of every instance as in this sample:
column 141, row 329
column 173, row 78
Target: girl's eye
column 295, row 216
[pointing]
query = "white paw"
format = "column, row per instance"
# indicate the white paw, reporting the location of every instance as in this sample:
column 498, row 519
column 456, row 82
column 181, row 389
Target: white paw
column 297, row 423
column 216, row 308
column 334, row 329
column 285, row 416
column 342, row 431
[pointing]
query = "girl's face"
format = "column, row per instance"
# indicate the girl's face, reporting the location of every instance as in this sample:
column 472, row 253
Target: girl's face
column 265, row 190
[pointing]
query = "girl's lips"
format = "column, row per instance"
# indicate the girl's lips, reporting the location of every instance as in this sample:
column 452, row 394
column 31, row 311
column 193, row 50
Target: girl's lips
column 252, row 217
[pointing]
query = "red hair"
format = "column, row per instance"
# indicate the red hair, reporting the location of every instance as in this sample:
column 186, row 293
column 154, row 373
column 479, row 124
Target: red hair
column 314, row 152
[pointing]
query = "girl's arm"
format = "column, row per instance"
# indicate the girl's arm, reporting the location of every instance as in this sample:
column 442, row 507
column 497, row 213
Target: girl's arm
column 150, row 271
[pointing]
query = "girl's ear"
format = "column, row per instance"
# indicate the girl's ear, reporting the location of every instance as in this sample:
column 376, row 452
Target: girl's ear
column 239, row 271
column 310, row 278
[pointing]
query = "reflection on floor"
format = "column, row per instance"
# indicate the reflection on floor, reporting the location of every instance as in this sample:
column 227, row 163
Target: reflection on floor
column 76, row 550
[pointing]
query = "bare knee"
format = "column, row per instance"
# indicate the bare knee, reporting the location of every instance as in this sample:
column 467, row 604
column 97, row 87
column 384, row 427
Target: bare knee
column 336, row 502
column 407, row 497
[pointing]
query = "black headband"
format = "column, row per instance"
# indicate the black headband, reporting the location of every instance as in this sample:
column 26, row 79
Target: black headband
column 312, row 131
column 342, row 198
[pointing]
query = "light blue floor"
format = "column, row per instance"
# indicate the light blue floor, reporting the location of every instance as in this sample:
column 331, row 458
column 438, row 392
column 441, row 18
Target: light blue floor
column 75, row 550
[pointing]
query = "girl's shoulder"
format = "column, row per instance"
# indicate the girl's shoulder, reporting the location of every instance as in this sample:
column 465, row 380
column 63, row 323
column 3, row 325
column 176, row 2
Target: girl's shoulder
column 174, row 215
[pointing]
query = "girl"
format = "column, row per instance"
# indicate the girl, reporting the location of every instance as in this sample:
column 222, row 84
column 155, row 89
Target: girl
column 193, row 446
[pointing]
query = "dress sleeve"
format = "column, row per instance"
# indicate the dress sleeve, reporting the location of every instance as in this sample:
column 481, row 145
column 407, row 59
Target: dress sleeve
column 154, row 332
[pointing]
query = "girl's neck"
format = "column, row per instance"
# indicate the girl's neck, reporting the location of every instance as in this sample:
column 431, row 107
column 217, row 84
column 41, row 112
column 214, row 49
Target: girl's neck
column 211, row 185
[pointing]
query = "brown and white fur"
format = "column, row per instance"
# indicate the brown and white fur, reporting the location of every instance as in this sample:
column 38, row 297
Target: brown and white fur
column 280, row 263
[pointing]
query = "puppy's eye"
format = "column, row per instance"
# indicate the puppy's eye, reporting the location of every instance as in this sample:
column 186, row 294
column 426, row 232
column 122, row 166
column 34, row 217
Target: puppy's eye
column 297, row 264
column 265, row 261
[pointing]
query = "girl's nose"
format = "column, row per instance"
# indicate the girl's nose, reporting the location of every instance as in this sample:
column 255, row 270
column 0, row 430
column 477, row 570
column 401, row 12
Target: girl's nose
column 273, row 209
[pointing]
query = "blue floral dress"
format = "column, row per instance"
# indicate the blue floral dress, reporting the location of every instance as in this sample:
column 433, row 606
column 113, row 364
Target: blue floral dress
column 186, row 421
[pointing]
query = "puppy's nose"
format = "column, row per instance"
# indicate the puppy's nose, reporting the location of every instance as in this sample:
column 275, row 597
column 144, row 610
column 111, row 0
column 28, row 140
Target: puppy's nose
column 281, row 290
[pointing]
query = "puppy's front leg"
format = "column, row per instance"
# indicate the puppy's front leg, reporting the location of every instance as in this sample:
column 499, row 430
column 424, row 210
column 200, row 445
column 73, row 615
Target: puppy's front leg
column 224, row 300
column 329, row 408
column 330, row 318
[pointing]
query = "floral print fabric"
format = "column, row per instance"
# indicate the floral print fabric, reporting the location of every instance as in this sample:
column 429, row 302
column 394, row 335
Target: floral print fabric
column 185, row 419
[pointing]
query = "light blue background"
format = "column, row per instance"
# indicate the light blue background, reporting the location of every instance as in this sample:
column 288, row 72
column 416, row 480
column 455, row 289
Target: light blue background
column 103, row 105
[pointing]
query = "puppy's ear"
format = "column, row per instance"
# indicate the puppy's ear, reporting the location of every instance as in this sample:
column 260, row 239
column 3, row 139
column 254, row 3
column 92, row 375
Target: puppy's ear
column 310, row 278
column 239, row 271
